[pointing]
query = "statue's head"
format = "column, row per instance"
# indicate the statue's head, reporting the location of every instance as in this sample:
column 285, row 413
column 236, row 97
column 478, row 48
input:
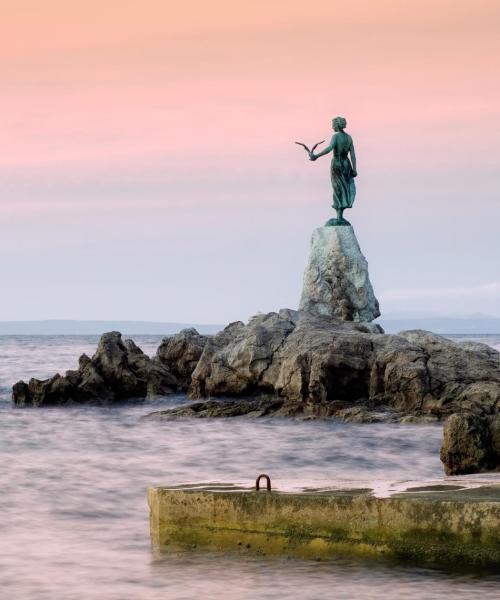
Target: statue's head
column 339, row 124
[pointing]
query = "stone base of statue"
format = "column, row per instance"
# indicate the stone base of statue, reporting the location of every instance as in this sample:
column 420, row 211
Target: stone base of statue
column 337, row 223
column 336, row 280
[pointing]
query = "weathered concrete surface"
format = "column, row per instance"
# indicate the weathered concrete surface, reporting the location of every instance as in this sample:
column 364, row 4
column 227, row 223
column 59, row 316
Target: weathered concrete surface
column 464, row 529
column 336, row 280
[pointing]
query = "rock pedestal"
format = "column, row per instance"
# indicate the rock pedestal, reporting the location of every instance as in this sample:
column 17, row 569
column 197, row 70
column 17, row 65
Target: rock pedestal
column 336, row 281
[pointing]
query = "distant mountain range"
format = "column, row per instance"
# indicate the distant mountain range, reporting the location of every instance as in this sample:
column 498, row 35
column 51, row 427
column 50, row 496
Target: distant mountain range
column 392, row 323
column 74, row 327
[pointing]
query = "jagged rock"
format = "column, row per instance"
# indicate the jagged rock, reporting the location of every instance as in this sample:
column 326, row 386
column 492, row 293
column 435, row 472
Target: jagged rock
column 180, row 355
column 288, row 354
column 462, row 376
column 50, row 392
column 336, row 280
column 118, row 371
column 323, row 365
column 242, row 356
column 306, row 365
column 471, row 444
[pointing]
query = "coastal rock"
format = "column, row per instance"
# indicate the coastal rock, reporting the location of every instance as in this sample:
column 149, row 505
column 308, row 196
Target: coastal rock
column 471, row 444
column 357, row 415
column 321, row 366
column 336, row 280
column 234, row 407
column 50, row 392
column 267, row 406
column 236, row 360
column 180, row 354
column 119, row 370
column 305, row 365
column 461, row 377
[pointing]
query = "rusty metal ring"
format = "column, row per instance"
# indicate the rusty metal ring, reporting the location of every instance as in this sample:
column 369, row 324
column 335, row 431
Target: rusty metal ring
column 268, row 482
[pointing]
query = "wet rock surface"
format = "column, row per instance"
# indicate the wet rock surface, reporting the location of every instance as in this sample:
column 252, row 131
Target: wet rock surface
column 471, row 444
column 275, row 407
column 119, row 370
column 229, row 407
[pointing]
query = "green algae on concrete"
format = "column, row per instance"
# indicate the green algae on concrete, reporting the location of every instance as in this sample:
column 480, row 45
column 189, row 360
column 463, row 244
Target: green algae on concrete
column 428, row 530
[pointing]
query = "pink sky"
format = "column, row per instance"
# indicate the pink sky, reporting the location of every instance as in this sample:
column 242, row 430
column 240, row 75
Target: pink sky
column 180, row 110
column 86, row 82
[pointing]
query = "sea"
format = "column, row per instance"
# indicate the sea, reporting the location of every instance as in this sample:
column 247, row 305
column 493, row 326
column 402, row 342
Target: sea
column 73, row 481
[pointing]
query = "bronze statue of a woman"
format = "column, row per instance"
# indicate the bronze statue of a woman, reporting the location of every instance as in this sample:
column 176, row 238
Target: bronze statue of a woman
column 342, row 170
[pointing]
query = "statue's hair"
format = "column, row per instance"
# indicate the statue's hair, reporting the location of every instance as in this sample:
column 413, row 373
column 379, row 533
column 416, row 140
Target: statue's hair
column 341, row 122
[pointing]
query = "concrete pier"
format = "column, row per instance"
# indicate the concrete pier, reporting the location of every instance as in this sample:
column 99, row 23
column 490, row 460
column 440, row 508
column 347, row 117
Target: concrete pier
column 433, row 526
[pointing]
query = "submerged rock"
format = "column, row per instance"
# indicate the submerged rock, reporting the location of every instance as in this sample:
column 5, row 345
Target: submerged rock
column 471, row 444
column 234, row 407
column 357, row 414
column 270, row 406
column 336, row 280
column 119, row 370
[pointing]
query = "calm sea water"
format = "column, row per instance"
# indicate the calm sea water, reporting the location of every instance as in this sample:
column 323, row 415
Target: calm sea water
column 73, row 511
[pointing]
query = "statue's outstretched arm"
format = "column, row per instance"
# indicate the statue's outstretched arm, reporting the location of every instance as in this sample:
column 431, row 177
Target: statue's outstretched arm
column 328, row 149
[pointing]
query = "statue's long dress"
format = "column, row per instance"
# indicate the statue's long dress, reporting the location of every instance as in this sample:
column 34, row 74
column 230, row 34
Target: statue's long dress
column 344, row 188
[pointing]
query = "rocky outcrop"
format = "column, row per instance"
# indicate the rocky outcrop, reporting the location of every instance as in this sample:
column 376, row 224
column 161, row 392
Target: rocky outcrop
column 235, row 361
column 300, row 364
column 322, row 366
column 228, row 407
column 119, row 370
column 336, row 280
column 463, row 377
column 180, row 354
column 263, row 407
column 471, row 443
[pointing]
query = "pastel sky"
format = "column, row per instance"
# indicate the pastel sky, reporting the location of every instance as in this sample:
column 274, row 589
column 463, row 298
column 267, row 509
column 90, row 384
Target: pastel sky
column 147, row 164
